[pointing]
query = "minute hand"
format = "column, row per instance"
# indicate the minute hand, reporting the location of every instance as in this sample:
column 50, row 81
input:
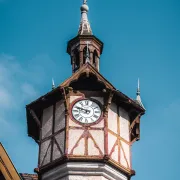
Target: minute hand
column 85, row 110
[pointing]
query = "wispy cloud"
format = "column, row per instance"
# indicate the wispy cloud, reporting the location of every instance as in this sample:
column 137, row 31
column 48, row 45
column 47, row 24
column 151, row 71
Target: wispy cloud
column 18, row 86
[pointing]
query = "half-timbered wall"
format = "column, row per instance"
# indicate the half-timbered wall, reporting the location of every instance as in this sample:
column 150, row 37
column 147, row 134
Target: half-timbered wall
column 85, row 141
column 52, row 133
column 118, row 136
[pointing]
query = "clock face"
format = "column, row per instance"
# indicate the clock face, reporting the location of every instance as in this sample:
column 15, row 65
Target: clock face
column 86, row 111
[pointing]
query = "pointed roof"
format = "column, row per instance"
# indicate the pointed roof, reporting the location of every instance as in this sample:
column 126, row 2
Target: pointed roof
column 138, row 98
column 7, row 169
column 84, row 27
column 87, row 68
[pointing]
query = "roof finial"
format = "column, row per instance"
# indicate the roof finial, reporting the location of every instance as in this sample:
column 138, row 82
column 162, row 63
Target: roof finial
column 53, row 84
column 138, row 88
column 138, row 98
column 87, row 53
column 84, row 28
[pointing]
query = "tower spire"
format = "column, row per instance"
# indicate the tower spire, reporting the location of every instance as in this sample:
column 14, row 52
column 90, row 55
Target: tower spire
column 138, row 98
column 84, row 28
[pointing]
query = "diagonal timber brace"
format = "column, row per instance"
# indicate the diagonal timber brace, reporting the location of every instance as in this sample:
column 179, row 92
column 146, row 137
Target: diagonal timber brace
column 36, row 119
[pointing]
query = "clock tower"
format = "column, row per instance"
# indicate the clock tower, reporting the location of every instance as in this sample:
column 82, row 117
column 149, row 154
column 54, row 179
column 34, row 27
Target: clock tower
column 85, row 127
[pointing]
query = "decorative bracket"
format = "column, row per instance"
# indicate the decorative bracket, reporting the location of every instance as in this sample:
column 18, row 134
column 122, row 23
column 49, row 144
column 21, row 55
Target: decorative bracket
column 135, row 129
column 109, row 100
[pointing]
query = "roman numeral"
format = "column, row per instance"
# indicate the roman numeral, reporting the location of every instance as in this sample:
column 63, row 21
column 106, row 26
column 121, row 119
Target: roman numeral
column 87, row 103
column 86, row 121
column 95, row 116
column 97, row 112
column 80, row 119
column 76, row 115
column 74, row 110
column 81, row 103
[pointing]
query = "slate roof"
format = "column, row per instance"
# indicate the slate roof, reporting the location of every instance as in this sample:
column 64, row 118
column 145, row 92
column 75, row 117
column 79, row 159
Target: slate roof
column 26, row 176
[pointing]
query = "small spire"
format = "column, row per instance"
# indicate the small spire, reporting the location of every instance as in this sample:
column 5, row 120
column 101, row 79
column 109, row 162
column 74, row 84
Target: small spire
column 53, row 84
column 84, row 28
column 138, row 88
column 87, row 53
column 138, row 98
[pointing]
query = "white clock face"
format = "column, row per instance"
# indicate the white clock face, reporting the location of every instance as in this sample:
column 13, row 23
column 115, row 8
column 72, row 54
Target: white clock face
column 86, row 111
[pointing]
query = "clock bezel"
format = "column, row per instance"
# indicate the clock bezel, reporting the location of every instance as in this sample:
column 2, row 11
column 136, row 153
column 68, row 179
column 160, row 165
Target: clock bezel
column 84, row 124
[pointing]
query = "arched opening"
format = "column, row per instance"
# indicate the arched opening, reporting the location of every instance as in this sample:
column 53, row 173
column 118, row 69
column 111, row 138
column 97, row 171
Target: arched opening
column 95, row 57
column 86, row 54
column 77, row 60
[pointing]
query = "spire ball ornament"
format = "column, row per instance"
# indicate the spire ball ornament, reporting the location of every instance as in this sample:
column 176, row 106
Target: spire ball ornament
column 84, row 7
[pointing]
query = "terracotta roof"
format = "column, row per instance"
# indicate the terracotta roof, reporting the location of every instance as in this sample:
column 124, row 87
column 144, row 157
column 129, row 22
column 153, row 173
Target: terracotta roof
column 26, row 176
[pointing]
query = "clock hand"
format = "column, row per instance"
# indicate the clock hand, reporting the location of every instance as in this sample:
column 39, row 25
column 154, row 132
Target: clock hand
column 85, row 110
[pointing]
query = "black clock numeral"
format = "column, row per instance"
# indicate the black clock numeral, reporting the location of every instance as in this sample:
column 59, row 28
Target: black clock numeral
column 95, row 116
column 92, row 120
column 80, row 119
column 87, row 102
column 74, row 110
column 81, row 103
column 95, row 107
column 76, row 116
column 97, row 112
column 86, row 121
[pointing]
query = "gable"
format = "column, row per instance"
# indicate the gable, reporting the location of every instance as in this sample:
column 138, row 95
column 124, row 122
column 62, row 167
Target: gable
column 7, row 169
column 87, row 73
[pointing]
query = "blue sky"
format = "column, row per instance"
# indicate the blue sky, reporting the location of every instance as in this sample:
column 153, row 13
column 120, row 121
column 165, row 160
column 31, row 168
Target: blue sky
column 141, row 39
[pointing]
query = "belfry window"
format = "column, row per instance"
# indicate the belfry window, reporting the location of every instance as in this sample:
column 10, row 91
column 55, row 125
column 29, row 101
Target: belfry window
column 95, row 55
column 77, row 60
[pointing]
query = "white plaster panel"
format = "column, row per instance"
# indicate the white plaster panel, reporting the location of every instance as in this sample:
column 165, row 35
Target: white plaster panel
column 92, row 150
column 73, row 98
column 112, row 118
column 74, row 135
column 47, row 122
column 124, row 124
column 111, row 141
column 126, row 153
column 59, row 116
column 98, row 136
column 115, row 154
column 100, row 124
column 45, row 152
column 79, row 150
column 72, row 123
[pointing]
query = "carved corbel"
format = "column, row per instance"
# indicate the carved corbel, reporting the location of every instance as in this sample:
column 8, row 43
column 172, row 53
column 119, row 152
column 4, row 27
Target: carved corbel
column 65, row 91
column 107, row 105
column 135, row 129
